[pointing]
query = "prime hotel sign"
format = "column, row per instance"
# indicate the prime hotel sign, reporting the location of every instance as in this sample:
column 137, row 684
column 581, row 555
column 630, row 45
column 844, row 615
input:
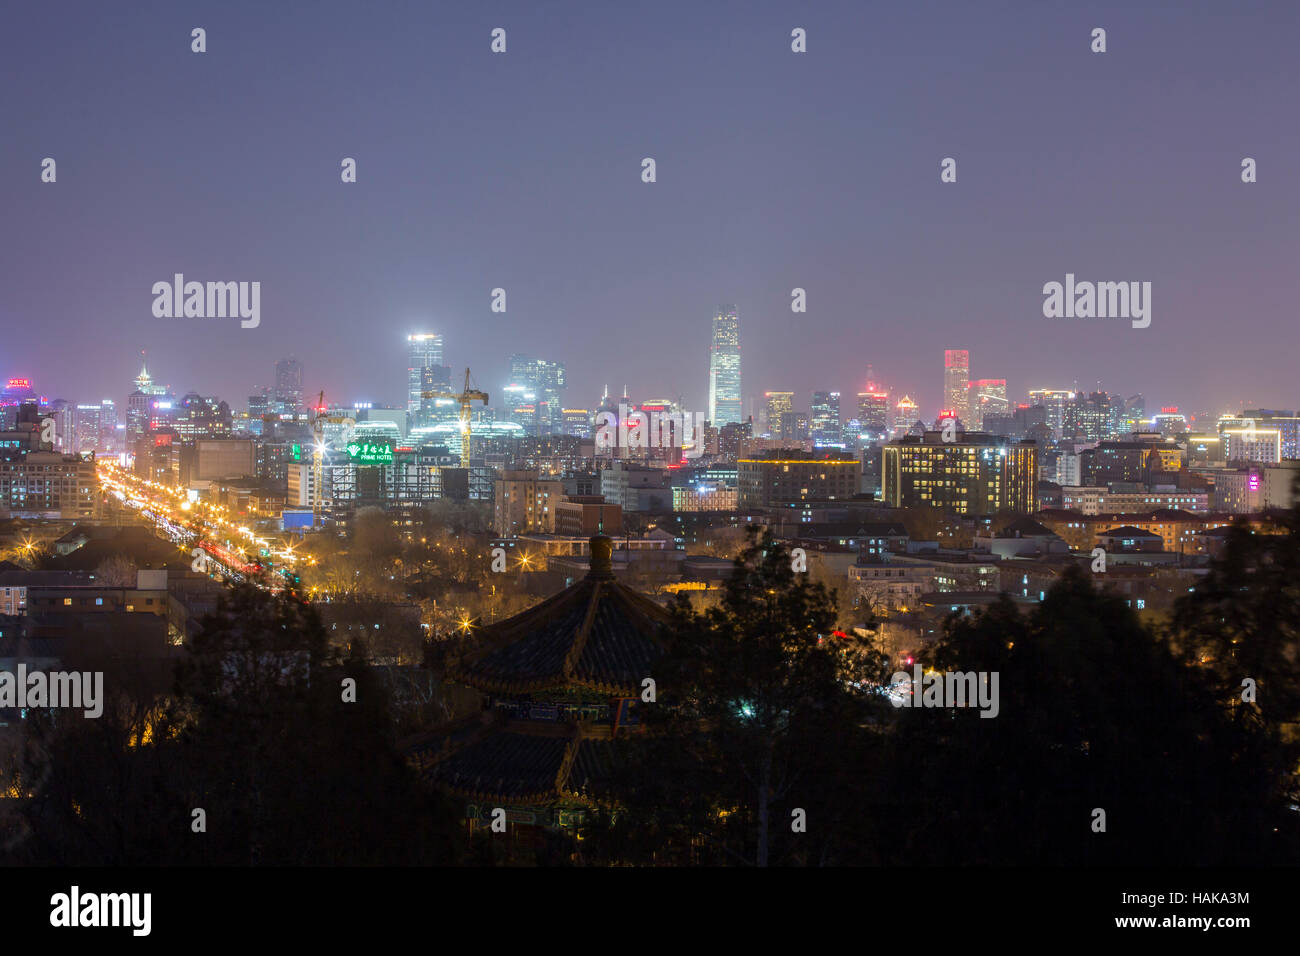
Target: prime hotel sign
column 370, row 453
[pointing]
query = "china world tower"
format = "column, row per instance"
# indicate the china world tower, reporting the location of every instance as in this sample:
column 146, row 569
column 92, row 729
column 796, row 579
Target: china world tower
column 724, row 368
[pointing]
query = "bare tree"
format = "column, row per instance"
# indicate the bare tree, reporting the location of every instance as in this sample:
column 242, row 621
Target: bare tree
column 117, row 571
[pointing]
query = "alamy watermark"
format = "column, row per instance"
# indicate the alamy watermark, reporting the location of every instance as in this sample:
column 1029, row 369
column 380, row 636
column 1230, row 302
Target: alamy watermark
column 211, row 300
column 77, row 909
column 1101, row 300
column 25, row 689
column 637, row 429
column 946, row 689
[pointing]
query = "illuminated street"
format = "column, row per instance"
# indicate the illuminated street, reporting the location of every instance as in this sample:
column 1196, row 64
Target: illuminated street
column 230, row 551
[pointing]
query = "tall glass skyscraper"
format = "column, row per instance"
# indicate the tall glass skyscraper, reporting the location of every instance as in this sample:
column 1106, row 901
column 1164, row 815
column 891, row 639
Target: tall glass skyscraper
column 424, row 350
column 956, row 383
column 873, row 414
column 724, row 368
column 778, row 404
column 288, row 384
column 824, row 415
column 988, row 396
column 546, row 382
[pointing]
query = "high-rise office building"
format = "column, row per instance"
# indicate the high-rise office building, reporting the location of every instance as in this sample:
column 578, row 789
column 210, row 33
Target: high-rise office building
column 905, row 416
column 546, row 382
column 1054, row 401
column 794, row 426
column 423, row 350
column 203, row 416
column 1091, row 417
column 87, row 430
column 778, row 403
column 988, row 396
column 140, row 406
column 64, row 414
column 109, row 440
column 977, row 474
column 434, row 411
column 776, row 478
column 576, row 421
column 824, row 418
column 519, row 405
column 94, row 428
column 1133, row 417
column 724, row 368
column 1286, row 422
column 873, row 414
column 956, row 382
column 288, row 384
column 730, row 438
column 144, row 383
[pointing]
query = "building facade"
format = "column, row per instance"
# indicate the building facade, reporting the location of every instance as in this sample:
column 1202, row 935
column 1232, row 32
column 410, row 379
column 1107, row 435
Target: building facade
column 783, row 477
column 977, row 474
column 724, row 368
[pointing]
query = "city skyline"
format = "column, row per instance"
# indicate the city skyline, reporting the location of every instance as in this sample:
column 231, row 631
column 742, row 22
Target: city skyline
column 929, row 408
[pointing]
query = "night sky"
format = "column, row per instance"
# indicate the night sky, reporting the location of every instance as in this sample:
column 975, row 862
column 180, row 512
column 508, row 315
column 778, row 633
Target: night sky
column 775, row 170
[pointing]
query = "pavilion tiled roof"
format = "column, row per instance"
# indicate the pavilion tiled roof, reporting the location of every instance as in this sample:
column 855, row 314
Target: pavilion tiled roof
column 597, row 634
column 522, row 765
column 512, row 767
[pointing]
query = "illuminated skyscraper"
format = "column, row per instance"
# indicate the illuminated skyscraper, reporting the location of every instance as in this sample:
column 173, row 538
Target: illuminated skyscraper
column 1054, row 401
column 288, row 384
column 1091, row 417
column 873, row 414
column 139, row 405
column 778, row 403
column 86, row 429
column 724, row 368
column 435, row 411
column 546, row 381
column 988, row 396
column 905, row 416
column 825, row 418
column 974, row 475
column 424, row 350
column 108, row 437
column 794, row 426
column 956, row 381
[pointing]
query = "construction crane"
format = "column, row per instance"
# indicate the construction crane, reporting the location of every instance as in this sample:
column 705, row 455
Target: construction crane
column 465, row 397
column 318, row 424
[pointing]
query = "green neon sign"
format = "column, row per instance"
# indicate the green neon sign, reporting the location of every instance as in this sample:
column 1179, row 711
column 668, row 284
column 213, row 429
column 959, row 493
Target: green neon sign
column 370, row 453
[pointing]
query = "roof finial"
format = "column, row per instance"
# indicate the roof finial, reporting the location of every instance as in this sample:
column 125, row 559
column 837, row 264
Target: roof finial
column 602, row 559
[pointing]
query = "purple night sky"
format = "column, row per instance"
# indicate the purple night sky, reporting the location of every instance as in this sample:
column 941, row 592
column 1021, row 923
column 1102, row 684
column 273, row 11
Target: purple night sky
column 775, row 170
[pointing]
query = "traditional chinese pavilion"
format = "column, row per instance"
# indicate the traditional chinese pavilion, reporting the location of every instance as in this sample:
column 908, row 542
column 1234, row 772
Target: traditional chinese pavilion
column 560, row 680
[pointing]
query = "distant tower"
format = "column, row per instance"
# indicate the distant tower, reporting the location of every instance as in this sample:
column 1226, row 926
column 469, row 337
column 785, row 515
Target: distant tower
column 905, row 416
column 424, row 350
column 873, row 414
column 824, row 417
column 724, row 368
column 988, row 396
column 288, row 384
column 139, row 404
column 144, row 381
column 546, row 381
column 956, row 382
